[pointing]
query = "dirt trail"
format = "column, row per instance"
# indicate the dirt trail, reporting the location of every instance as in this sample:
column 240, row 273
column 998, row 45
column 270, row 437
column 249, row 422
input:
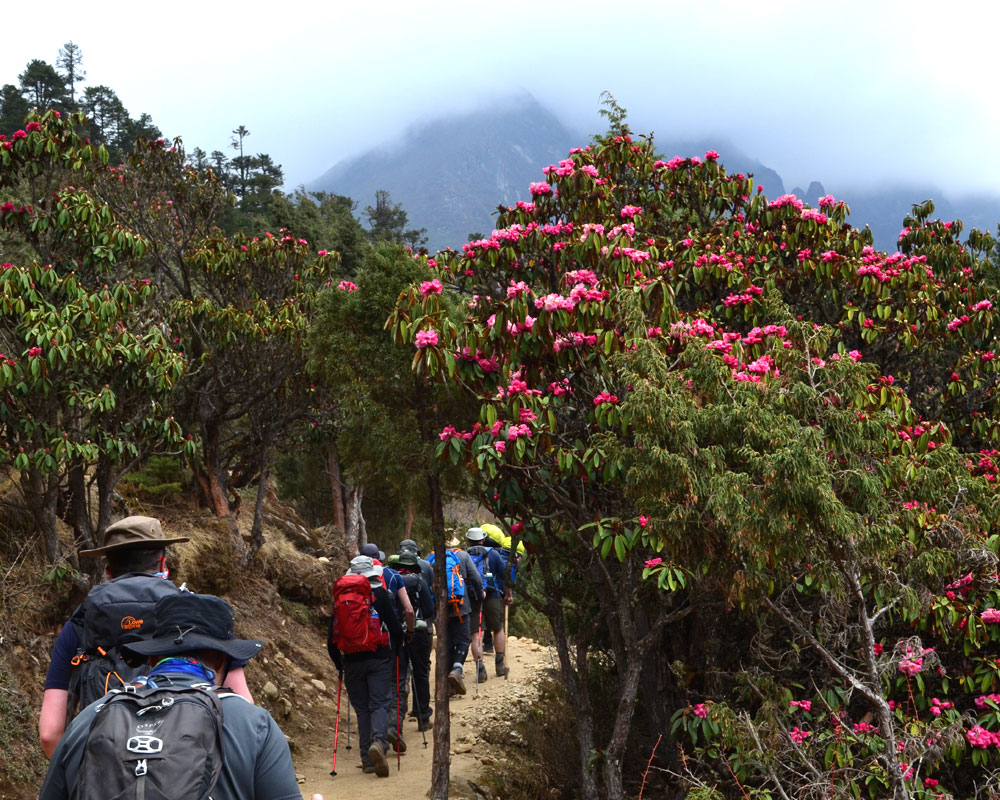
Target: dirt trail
column 527, row 660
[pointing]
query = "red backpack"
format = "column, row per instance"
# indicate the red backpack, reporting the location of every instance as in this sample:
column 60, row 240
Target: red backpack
column 356, row 625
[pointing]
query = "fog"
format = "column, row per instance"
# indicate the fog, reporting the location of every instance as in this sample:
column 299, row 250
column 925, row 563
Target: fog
column 850, row 93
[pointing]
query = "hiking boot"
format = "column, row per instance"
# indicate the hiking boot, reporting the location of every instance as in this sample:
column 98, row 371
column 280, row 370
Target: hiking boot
column 396, row 741
column 502, row 669
column 481, row 674
column 455, row 682
column 381, row 764
column 425, row 725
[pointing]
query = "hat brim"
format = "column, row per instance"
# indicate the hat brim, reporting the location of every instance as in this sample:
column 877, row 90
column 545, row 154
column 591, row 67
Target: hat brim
column 147, row 544
column 239, row 649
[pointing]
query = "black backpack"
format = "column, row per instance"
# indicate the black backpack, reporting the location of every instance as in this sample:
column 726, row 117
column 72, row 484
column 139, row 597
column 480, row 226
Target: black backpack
column 415, row 588
column 153, row 744
column 114, row 613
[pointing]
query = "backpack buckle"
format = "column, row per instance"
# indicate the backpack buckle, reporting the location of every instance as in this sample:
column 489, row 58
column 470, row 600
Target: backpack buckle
column 141, row 768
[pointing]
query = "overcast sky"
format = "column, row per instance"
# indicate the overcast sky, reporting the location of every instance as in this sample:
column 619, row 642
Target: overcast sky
column 843, row 91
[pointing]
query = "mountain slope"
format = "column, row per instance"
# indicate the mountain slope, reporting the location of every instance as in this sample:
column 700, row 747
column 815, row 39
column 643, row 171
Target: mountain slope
column 450, row 174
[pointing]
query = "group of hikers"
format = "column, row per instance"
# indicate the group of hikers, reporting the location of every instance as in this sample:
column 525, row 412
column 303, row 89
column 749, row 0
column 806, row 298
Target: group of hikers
column 146, row 694
column 381, row 632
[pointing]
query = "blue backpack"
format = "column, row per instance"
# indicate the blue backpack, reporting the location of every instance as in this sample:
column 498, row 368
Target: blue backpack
column 453, row 576
column 480, row 557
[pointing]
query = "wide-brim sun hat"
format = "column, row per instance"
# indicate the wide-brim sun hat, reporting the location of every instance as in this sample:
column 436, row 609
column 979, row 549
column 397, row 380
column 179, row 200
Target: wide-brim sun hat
column 363, row 565
column 188, row 622
column 134, row 533
column 475, row 534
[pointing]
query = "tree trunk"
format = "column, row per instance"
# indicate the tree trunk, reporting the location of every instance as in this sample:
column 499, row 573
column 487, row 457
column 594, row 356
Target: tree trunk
column 574, row 681
column 336, row 487
column 107, row 480
column 352, row 530
column 410, row 512
column 441, row 767
column 257, row 529
column 42, row 494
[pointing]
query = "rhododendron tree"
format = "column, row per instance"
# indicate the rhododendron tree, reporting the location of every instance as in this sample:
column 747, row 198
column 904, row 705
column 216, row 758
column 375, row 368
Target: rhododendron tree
column 234, row 310
column 712, row 411
column 86, row 376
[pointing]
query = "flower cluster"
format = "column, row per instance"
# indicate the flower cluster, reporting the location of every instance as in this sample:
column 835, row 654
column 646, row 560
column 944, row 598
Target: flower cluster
column 426, row 338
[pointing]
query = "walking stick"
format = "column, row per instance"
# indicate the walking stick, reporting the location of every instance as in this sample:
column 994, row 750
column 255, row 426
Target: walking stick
column 348, row 720
column 399, row 737
column 479, row 641
column 336, row 727
column 416, row 701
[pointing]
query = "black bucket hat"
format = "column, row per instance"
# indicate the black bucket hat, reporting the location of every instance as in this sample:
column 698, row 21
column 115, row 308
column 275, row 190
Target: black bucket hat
column 185, row 622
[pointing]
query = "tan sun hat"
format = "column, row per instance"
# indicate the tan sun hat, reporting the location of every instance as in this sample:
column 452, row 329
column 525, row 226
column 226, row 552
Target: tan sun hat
column 134, row 533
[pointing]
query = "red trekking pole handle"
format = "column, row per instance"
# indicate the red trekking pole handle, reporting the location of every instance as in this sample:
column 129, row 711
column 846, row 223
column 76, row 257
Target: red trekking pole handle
column 336, row 727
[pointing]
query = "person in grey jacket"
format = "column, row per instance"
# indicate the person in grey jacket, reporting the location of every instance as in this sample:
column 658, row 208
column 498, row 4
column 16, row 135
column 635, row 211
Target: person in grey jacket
column 459, row 635
column 193, row 643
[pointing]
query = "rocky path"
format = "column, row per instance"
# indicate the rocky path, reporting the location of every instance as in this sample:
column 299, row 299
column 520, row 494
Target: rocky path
column 497, row 702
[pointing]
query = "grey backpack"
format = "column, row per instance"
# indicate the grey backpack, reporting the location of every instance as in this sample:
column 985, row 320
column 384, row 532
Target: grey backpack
column 153, row 744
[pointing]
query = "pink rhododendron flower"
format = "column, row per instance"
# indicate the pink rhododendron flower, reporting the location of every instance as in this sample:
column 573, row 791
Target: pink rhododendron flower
column 499, row 446
column 653, row 562
column 991, row 615
column 786, row 200
column 814, row 215
column 643, row 521
column 628, row 212
column 700, row 710
column 982, row 305
column 798, row 735
column 426, row 338
column 347, row 286
column 430, row 287
column 34, row 351
column 605, row 397
column 826, row 200
column 805, row 705
column 539, row 188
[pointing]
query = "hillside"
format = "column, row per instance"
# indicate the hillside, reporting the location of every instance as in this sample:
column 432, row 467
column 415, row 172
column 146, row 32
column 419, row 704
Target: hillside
column 451, row 173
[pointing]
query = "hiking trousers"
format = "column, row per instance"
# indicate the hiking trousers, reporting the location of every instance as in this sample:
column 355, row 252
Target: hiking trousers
column 420, row 662
column 369, row 682
column 459, row 640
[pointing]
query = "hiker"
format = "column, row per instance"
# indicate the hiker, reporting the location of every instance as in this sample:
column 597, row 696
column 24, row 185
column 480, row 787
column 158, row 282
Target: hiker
column 403, row 608
column 462, row 583
column 426, row 570
column 173, row 714
column 418, row 649
column 113, row 613
column 393, row 584
column 362, row 640
column 499, row 594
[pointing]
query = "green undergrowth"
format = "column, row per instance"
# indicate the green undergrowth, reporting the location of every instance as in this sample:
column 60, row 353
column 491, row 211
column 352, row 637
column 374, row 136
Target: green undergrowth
column 539, row 750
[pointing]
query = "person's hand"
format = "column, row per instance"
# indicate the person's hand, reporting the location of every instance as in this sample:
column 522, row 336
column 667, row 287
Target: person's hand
column 508, row 599
column 317, row 797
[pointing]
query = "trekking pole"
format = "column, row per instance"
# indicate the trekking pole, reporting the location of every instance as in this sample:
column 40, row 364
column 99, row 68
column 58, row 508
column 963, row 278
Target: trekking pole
column 399, row 735
column 479, row 641
column 348, row 720
column 416, row 700
column 336, row 727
